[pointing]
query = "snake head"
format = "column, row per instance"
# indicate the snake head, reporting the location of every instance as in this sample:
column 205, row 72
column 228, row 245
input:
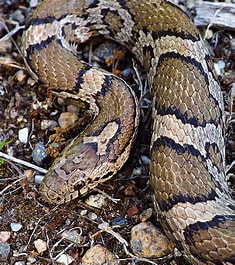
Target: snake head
column 75, row 174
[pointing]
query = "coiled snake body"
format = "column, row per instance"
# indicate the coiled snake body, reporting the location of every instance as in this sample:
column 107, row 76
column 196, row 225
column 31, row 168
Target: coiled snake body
column 187, row 149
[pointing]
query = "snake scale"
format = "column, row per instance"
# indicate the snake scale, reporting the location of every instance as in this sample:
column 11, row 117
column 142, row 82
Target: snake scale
column 187, row 166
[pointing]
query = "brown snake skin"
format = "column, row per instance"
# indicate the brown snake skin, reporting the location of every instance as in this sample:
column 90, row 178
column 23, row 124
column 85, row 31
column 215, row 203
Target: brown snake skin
column 187, row 150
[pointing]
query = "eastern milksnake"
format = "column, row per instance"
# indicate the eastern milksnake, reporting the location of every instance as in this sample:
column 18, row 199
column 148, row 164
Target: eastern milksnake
column 187, row 150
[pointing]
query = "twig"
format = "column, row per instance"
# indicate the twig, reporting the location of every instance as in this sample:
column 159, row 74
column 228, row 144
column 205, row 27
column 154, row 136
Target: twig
column 104, row 227
column 106, row 195
column 9, row 36
column 211, row 22
column 22, row 162
column 12, row 32
column 10, row 185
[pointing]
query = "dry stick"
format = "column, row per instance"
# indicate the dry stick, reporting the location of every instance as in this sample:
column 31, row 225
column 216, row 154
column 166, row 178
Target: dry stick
column 211, row 22
column 22, row 162
column 104, row 227
column 12, row 184
column 205, row 13
column 12, row 32
column 9, row 36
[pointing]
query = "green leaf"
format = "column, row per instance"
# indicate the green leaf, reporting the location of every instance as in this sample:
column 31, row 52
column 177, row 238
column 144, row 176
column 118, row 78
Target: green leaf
column 2, row 144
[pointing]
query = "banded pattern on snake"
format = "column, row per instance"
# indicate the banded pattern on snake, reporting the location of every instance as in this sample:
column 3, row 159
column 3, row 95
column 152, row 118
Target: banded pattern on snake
column 187, row 150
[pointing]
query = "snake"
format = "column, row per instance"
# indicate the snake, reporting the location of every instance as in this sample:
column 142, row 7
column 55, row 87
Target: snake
column 187, row 168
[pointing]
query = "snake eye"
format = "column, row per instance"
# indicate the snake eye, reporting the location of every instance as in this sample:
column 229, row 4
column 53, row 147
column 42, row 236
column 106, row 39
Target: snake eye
column 58, row 200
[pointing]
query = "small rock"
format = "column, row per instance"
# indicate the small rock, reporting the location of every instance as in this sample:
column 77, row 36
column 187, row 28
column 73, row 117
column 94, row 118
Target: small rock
column 31, row 81
column 67, row 119
column 4, row 249
column 38, row 179
column 15, row 227
column 137, row 171
column 83, row 212
column 97, row 201
column 68, row 222
column 31, row 260
column 19, row 263
column 65, row 259
column 132, row 211
column 5, row 236
column 48, row 124
column 33, row 3
column 72, row 236
column 23, row 135
column 104, row 51
column 28, row 173
column 146, row 214
column 149, row 242
column 18, row 15
column 92, row 216
column 40, row 245
column 120, row 221
column 99, row 255
column 127, row 72
column 39, row 154
column 209, row 34
column 72, row 108
column 219, row 67
column 20, row 76
column 145, row 160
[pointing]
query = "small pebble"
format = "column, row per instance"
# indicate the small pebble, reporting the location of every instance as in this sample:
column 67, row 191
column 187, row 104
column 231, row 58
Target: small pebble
column 137, row 171
column 145, row 159
column 48, row 124
column 18, row 16
column 15, row 227
column 39, row 154
column 23, row 135
column 68, row 222
column 97, row 201
column 29, row 174
column 209, row 34
column 72, row 236
column 38, row 179
column 120, row 221
column 33, row 3
column 20, row 76
column 40, row 245
column 127, row 72
column 219, row 67
column 65, row 259
column 99, row 255
column 148, row 241
column 31, row 259
column 67, row 119
column 146, row 214
column 132, row 211
column 92, row 216
column 5, row 236
column 83, row 212
column 72, row 108
column 105, row 50
column 19, row 263
column 4, row 249
column 31, row 81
